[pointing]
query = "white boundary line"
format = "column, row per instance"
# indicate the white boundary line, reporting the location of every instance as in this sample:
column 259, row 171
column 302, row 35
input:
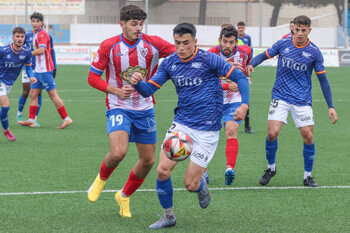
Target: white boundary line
column 181, row 189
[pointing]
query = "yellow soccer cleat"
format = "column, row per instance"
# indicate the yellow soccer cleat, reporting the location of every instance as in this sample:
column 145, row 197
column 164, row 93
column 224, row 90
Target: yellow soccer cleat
column 123, row 203
column 96, row 189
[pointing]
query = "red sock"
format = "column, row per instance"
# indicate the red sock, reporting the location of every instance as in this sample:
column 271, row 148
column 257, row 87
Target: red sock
column 231, row 152
column 32, row 111
column 106, row 172
column 62, row 111
column 132, row 184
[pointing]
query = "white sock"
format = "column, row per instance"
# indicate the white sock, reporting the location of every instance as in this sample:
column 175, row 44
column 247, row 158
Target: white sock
column 272, row 167
column 19, row 113
column 169, row 213
column 66, row 119
column 123, row 194
column 306, row 174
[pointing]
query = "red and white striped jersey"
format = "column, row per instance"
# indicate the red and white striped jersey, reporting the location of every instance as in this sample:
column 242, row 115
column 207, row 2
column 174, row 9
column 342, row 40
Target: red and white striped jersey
column 43, row 62
column 241, row 54
column 116, row 55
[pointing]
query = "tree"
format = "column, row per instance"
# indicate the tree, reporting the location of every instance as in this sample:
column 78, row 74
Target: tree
column 277, row 4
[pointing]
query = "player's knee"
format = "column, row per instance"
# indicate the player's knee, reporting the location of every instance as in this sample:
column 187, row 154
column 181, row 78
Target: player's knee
column 116, row 156
column 25, row 94
column 147, row 162
column 163, row 174
column 190, row 186
column 272, row 136
column 308, row 138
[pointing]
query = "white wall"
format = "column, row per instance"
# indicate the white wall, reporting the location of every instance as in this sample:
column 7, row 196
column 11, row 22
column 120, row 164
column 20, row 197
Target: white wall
column 206, row 35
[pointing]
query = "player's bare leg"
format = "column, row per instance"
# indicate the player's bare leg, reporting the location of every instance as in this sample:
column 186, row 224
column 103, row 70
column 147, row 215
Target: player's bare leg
column 118, row 141
column 136, row 177
column 60, row 108
column 195, row 182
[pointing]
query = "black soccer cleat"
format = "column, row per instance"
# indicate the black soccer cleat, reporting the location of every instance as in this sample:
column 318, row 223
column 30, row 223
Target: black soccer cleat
column 310, row 182
column 248, row 129
column 265, row 179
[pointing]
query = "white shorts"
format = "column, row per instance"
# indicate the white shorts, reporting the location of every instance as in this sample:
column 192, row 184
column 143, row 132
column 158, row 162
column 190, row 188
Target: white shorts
column 204, row 143
column 25, row 78
column 5, row 89
column 302, row 115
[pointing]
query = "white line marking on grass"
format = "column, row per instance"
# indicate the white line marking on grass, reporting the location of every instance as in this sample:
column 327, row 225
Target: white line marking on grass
column 180, row 189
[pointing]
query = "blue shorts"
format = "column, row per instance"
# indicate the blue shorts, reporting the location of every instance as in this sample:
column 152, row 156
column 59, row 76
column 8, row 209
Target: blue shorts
column 229, row 112
column 140, row 125
column 44, row 81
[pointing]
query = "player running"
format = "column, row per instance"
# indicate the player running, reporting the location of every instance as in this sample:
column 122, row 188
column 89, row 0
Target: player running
column 239, row 56
column 130, row 117
column 195, row 74
column 12, row 59
column 44, row 68
column 298, row 56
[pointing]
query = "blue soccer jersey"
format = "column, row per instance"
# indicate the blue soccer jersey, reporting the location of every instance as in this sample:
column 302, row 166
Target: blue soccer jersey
column 294, row 70
column 197, row 83
column 246, row 40
column 12, row 61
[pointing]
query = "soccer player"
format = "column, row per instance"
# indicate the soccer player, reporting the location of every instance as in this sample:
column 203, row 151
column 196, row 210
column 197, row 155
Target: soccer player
column 248, row 41
column 130, row 117
column 25, row 80
column 291, row 27
column 240, row 42
column 291, row 92
column 44, row 68
column 239, row 56
column 195, row 74
column 12, row 59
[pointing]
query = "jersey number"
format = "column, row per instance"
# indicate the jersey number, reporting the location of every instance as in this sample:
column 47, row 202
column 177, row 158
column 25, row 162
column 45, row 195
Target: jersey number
column 116, row 119
column 274, row 103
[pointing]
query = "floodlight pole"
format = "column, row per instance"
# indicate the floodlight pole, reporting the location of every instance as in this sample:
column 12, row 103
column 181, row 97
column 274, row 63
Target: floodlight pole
column 260, row 24
column 26, row 16
column 146, row 23
column 346, row 9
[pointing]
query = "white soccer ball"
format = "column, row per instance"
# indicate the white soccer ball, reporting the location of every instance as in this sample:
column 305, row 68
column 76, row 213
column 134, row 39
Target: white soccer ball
column 177, row 146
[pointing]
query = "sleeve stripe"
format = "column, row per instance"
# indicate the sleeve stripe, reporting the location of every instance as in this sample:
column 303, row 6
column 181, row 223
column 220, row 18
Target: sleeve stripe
column 154, row 83
column 229, row 72
column 321, row 72
column 267, row 54
column 42, row 45
column 96, row 71
column 28, row 64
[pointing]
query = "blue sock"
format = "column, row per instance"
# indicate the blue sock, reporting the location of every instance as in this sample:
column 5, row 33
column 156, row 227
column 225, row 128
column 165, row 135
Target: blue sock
column 22, row 101
column 165, row 192
column 39, row 105
column 309, row 156
column 271, row 149
column 4, row 117
column 200, row 187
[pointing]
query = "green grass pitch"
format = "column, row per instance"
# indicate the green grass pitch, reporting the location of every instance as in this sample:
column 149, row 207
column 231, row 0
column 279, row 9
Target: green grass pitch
column 43, row 168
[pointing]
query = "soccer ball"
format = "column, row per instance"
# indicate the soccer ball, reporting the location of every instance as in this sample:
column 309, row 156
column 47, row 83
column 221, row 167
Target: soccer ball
column 177, row 146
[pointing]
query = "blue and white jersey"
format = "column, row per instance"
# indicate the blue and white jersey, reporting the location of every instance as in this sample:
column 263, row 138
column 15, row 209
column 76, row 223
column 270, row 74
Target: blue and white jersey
column 12, row 61
column 294, row 69
column 246, row 40
column 28, row 42
column 197, row 83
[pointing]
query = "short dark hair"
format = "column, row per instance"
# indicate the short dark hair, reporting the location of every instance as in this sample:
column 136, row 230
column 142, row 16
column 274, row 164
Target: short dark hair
column 229, row 31
column 302, row 20
column 18, row 30
column 241, row 23
column 132, row 12
column 291, row 22
column 226, row 25
column 184, row 28
column 37, row 15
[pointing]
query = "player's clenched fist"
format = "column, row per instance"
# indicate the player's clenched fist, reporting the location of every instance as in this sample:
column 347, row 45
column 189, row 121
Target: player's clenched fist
column 135, row 78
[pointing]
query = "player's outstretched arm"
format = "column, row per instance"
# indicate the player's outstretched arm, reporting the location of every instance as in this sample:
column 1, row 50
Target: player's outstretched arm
column 327, row 93
column 255, row 62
